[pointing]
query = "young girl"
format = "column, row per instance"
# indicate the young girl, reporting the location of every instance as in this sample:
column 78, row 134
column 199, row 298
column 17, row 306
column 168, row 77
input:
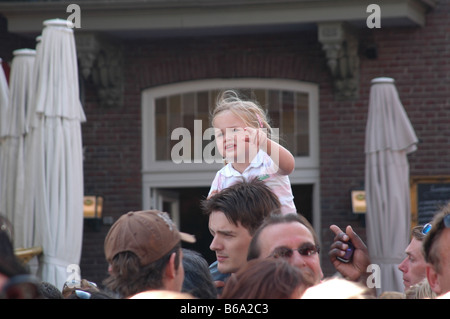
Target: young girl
column 243, row 137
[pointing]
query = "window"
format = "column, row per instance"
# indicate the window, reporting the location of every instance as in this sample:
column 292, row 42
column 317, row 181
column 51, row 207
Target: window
column 292, row 107
column 181, row 110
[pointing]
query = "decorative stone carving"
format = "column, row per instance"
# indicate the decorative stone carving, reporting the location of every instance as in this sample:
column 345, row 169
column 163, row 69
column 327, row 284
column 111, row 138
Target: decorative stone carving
column 341, row 47
column 101, row 61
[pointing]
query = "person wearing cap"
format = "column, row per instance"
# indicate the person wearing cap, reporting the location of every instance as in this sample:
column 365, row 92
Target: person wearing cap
column 143, row 249
column 436, row 247
column 234, row 215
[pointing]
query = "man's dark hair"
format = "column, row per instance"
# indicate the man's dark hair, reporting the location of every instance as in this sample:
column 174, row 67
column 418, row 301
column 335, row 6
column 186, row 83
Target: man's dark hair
column 197, row 279
column 246, row 202
column 49, row 291
column 10, row 264
column 128, row 277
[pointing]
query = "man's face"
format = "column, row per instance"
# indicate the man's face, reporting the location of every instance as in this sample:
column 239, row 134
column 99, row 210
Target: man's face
column 294, row 236
column 414, row 265
column 230, row 243
column 440, row 281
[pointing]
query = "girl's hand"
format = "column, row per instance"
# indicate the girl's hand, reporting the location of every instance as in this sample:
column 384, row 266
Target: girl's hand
column 282, row 159
column 256, row 137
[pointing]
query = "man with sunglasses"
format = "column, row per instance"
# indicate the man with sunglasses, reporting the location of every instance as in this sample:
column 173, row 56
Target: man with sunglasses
column 436, row 246
column 293, row 238
column 413, row 266
column 290, row 237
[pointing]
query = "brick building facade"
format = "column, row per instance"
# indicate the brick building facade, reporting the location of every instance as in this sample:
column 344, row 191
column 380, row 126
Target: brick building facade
column 416, row 56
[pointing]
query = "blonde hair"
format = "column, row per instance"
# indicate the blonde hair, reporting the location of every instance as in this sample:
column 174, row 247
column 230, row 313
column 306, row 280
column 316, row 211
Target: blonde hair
column 250, row 112
column 392, row 295
column 338, row 288
column 421, row 290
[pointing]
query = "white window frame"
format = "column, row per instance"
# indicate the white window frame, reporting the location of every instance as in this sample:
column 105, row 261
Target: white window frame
column 163, row 174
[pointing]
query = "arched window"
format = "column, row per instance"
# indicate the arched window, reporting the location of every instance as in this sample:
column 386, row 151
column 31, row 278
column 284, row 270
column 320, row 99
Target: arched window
column 292, row 106
column 175, row 122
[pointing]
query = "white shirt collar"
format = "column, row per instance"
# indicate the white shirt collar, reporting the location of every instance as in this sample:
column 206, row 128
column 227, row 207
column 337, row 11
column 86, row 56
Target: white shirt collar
column 258, row 161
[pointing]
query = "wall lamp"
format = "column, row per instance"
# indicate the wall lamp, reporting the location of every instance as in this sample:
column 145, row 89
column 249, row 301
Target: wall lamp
column 358, row 201
column 359, row 206
column 93, row 209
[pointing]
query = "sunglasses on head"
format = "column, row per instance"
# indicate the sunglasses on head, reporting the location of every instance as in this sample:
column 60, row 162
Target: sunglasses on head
column 82, row 294
column 427, row 227
column 305, row 250
column 77, row 283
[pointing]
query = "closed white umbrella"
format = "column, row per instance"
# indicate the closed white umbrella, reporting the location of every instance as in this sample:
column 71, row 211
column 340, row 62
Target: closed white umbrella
column 55, row 146
column 4, row 98
column 34, row 165
column 389, row 138
column 13, row 132
column 31, row 114
column 4, row 106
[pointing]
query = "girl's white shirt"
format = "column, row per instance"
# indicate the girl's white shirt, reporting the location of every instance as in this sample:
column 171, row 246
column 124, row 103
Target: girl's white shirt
column 262, row 167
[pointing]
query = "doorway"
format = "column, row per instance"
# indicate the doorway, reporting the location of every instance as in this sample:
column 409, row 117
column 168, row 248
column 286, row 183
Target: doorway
column 191, row 218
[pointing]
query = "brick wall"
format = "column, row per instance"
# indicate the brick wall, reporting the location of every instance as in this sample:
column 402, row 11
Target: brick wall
column 112, row 136
column 418, row 59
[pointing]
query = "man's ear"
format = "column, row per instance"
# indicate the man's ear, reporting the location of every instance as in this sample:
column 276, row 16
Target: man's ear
column 171, row 271
column 433, row 280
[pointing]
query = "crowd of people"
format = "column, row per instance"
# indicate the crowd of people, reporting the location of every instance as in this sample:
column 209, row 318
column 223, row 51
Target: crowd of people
column 264, row 248
column 261, row 254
